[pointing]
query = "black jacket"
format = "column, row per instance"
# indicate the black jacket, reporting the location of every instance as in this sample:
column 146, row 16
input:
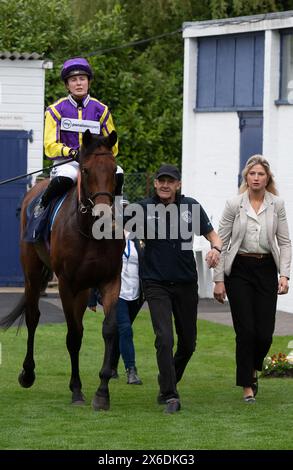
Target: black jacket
column 169, row 259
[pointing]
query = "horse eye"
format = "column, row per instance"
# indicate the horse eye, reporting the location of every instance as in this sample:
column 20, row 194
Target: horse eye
column 84, row 171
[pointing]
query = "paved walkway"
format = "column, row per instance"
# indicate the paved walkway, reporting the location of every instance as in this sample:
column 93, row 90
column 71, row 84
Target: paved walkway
column 209, row 309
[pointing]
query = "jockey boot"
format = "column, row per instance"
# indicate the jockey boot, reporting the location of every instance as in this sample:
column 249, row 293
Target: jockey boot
column 57, row 187
column 119, row 182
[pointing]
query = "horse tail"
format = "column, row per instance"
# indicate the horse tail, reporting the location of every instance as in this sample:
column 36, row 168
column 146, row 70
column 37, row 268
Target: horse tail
column 19, row 309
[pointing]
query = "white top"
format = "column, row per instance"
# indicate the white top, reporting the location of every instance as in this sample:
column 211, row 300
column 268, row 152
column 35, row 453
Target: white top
column 129, row 274
column 255, row 239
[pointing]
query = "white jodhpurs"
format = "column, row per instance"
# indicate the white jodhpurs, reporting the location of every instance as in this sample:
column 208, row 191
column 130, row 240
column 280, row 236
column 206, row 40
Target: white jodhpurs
column 70, row 170
column 119, row 170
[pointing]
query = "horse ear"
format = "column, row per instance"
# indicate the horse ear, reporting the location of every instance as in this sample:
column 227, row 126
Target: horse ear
column 112, row 138
column 87, row 138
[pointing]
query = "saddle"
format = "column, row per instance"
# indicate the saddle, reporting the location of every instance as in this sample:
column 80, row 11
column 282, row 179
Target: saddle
column 38, row 229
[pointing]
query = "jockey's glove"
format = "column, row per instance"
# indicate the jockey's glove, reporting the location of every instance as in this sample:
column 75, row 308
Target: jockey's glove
column 74, row 153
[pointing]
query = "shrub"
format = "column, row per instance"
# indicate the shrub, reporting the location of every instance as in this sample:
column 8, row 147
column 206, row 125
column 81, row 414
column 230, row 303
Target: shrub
column 277, row 365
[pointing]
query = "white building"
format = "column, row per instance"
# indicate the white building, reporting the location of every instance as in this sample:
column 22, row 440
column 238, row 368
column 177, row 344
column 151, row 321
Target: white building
column 238, row 96
column 22, row 92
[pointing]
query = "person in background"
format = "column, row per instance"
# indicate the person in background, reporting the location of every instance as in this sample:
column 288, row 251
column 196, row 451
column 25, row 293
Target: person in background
column 169, row 278
column 129, row 303
column 256, row 246
column 65, row 122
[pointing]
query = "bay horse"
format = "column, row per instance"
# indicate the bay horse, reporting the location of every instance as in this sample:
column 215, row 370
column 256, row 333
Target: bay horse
column 80, row 262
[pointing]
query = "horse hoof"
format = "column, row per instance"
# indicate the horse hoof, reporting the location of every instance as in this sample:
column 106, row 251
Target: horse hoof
column 78, row 399
column 101, row 403
column 26, row 380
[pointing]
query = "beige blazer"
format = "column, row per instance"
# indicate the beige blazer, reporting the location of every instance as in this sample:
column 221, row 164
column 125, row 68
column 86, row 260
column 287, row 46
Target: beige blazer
column 233, row 225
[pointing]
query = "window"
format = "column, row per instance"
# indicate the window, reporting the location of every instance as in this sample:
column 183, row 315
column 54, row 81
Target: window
column 286, row 92
column 230, row 72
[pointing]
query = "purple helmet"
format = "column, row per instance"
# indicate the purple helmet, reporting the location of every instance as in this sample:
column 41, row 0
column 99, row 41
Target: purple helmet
column 76, row 66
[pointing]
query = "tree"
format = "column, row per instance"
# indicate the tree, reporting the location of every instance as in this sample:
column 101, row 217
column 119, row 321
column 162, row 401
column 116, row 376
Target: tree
column 231, row 8
column 142, row 84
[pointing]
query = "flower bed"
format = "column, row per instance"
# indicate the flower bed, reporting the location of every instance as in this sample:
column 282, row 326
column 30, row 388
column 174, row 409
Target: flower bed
column 277, row 365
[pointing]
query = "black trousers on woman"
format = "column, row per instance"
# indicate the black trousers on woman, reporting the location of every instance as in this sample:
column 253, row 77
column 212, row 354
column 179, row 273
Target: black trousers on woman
column 252, row 292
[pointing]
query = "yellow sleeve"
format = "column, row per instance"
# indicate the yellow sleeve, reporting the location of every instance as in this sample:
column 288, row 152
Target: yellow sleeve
column 110, row 126
column 53, row 148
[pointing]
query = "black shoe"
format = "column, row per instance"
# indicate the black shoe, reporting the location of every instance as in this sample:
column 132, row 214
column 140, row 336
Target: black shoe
column 162, row 400
column 132, row 377
column 172, row 405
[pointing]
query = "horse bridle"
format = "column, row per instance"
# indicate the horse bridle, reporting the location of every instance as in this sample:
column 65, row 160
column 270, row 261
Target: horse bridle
column 91, row 197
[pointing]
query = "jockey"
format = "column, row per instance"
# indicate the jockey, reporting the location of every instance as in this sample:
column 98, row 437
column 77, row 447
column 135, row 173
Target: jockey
column 65, row 122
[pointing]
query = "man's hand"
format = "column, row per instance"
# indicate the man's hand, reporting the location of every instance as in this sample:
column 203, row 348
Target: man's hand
column 213, row 258
column 220, row 292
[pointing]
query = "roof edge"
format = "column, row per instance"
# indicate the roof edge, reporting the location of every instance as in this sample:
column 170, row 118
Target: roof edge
column 21, row 55
column 238, row 19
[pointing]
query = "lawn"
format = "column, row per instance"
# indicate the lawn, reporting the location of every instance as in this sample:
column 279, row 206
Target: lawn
column 213, row 415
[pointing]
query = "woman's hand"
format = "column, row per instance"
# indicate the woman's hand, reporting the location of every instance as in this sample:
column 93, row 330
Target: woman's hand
column 220, row 292
column 283, row 286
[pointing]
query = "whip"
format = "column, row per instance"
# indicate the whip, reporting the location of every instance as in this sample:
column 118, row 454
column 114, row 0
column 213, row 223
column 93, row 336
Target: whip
column 10, row 180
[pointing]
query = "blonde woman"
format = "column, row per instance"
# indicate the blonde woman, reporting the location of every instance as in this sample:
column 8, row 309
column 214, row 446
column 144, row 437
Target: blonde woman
column 256, row 247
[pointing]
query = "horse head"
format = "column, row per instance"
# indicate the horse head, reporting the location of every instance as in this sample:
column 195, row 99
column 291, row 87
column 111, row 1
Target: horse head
column 97, row 169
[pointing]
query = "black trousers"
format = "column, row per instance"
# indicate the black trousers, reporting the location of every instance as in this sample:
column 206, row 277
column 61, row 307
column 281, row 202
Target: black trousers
column 181, row 299
column 252, row 292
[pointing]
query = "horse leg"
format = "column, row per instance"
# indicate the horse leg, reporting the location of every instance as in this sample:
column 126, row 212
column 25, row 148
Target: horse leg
column 35, row 277
column 74, row 308
column 110, row 293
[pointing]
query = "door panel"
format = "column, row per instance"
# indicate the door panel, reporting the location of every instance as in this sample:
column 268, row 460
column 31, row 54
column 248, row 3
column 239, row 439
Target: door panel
column 251, row 134
column 13, row 162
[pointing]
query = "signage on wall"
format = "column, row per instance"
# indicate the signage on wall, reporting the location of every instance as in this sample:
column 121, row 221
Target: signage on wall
column 9, row 121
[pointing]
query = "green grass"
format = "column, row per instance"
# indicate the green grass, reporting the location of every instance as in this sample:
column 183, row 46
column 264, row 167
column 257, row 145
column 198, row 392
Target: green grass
column 213, row 415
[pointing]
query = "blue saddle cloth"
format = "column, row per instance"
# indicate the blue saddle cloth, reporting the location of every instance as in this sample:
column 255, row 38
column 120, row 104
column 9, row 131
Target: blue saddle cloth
column 39, row 228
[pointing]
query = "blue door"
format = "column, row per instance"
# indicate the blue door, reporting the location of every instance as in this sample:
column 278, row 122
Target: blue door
column 251, row 134
column 13, row 162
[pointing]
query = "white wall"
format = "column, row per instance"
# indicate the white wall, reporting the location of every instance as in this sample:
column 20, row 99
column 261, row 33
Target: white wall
column 22, row 93
column 211, row 147
column 210, row 160
column 278, row 139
